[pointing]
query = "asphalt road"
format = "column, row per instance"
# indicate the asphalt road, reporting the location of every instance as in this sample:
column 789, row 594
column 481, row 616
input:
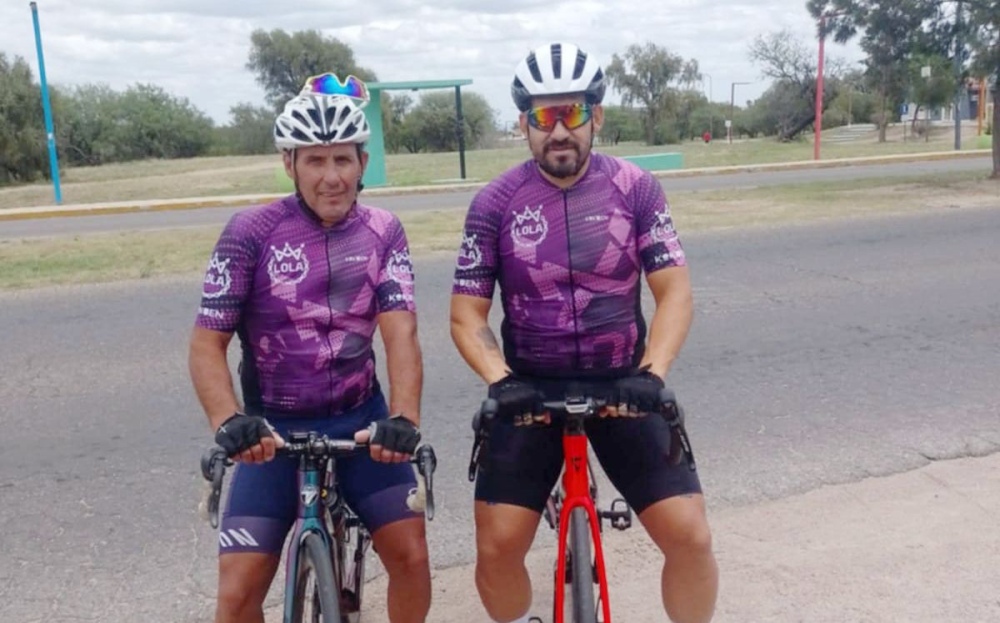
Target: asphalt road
column 460, row 199
column 819, row 354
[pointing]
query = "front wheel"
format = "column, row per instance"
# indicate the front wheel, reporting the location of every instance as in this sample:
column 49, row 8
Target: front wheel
column 581, row 568
column 315, row 596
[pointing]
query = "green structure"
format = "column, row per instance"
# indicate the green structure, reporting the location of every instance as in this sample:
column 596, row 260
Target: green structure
column 375, row 172
column 658, row 162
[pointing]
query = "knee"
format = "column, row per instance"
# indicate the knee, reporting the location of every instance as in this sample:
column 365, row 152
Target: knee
column 238, row 598
column 680, row 528
column 496, row 548
column 405, row 555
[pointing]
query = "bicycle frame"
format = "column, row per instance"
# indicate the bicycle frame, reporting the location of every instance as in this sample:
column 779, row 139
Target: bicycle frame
column 577, row 494
column 310, row 518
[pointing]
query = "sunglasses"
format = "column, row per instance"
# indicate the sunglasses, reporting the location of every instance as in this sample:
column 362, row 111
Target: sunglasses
column 572, row 116
column 330, row 84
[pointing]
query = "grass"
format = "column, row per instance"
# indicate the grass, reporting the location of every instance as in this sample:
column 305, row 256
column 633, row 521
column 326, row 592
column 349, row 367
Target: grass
column 139, row 255
column 239, row 175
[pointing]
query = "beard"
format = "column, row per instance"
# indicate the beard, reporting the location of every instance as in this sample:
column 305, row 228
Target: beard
column 566, row 164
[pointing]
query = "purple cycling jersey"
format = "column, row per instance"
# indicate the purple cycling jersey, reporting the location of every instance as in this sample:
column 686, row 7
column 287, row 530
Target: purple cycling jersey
column 303, row 300
column 568, row 263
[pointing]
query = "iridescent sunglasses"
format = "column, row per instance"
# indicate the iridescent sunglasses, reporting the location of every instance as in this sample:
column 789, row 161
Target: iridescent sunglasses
column 573, row 116
column 330, row 84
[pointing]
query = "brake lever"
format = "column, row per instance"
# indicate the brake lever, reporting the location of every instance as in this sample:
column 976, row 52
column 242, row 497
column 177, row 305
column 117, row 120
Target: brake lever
column 426, row 464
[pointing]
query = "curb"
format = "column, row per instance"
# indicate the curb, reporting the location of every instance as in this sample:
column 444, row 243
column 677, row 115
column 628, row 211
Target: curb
column 156, row 205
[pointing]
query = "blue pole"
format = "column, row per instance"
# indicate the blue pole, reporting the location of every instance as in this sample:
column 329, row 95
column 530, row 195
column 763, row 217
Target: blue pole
column 53, row 157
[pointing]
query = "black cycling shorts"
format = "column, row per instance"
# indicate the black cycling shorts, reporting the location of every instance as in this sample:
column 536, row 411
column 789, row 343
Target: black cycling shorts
column 520, row 465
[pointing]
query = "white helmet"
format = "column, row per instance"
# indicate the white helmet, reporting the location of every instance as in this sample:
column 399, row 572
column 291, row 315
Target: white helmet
column 314, row 119
column 557, row 69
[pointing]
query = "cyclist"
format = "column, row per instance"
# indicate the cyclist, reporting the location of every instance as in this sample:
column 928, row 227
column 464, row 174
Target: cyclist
column 567, row 235
column 304, row 281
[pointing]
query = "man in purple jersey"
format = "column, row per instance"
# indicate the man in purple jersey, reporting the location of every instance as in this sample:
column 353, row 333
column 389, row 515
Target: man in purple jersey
column 304, row 282
column 567, row 235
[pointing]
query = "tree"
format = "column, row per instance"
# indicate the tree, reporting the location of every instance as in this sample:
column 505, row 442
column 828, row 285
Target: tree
column 87, row 119
column 891, row 31
column 620, row 124
column 431, row 125
column 649, row 75
column 984, row 22
column 22, row 124
column 250, row 131
column 931, row 90
column 791, row 99
column 282, row 62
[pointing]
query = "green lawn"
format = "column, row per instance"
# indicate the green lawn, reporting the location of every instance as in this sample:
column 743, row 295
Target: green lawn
column 237, row 175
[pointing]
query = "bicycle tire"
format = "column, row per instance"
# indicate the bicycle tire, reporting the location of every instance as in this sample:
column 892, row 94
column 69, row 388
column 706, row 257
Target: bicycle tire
column 582, row 572
column 316, row 599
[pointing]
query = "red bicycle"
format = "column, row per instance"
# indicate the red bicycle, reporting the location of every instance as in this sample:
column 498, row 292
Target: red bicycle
column 572, row 507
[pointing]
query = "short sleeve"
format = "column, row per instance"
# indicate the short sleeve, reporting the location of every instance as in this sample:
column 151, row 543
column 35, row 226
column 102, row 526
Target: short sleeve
column 658, row 243
column 476, row 266
column 395, row 287
column 228, row 278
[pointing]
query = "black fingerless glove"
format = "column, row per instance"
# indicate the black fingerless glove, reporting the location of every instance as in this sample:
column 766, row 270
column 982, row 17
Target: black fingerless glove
column 397, row 434
column 640, row 392
column 241, row 432
column 515, row 397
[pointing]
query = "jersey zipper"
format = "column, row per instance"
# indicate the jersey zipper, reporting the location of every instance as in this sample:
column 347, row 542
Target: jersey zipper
column 329, row 294
column 572, row 279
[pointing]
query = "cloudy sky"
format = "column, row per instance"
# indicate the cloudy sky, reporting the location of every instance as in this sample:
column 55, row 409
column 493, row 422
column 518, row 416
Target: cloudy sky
column 198, row 48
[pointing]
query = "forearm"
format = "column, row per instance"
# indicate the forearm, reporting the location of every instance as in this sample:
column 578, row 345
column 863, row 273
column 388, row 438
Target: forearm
column 479, row 348
column 404, row 365
column 213, row 382
column 668, row 331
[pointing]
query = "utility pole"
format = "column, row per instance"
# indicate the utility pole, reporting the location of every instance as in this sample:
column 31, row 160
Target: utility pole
column 958, row 76
column 732, row 106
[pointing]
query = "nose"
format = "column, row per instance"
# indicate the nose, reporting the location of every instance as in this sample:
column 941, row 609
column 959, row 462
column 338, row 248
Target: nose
column 560, row 131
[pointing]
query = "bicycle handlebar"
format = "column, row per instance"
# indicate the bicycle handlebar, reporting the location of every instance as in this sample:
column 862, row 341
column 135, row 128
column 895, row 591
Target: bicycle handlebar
column 579, row 405
column 214, row 463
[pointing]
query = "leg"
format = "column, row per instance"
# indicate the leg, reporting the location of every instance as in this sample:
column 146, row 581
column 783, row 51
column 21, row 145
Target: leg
column 668, row 500
column 690, row 578
column 518, row 469
column 402, row 547
column 243, row 583
column 504, row 534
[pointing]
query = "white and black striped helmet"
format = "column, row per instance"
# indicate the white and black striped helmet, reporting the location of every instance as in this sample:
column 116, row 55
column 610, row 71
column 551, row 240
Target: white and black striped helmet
column 313, row 119
column 557, row 69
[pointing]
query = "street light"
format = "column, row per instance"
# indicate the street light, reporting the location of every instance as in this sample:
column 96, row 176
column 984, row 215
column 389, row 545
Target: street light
column 732, row 105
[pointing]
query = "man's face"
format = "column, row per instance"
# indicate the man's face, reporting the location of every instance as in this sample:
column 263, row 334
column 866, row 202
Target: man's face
column 327, row 177
column 561, row 151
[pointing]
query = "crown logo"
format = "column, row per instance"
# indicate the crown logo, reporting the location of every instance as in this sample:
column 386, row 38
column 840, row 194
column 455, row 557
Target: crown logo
column 469, row 241
column 529, row 215
column 288, row 251
column 218, row 265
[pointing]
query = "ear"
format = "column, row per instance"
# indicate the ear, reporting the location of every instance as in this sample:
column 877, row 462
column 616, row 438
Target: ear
column 364, row 161
column 598, row 117
column 288, row 158
column 522, row 122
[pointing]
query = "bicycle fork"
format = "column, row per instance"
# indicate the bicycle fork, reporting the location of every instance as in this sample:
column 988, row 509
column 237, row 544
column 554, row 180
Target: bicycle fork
column 576, row 485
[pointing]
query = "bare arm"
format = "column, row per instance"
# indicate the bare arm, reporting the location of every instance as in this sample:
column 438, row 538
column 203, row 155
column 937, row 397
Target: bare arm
column 470, row 330
column 668, row 330
column 404, row 362
column 210, row 374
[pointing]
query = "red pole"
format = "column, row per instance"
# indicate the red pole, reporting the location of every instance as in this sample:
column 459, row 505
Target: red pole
column 818, row 123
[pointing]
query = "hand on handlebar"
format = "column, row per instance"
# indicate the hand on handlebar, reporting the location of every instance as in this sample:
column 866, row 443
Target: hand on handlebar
column 635, row 395
column 392, row 440
column 248, row 438
column 518, row 400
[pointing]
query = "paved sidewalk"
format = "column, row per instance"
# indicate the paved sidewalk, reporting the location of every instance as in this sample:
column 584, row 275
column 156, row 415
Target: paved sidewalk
column 921, row 546
column 190, row 203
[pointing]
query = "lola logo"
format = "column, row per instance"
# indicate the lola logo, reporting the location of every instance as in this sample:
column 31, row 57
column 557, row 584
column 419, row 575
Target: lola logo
column 309, row 494
column 288, row 266
column 469, row 254
column 217, row 278
column 529, row 227
column 400, row 268
column 663, row 228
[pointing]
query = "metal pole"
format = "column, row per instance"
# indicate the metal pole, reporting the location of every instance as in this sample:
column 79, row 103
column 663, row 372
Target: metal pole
column 46, row 107
column 958, row 76
column 460, row 129
column 732, row 102
column 818, row 123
